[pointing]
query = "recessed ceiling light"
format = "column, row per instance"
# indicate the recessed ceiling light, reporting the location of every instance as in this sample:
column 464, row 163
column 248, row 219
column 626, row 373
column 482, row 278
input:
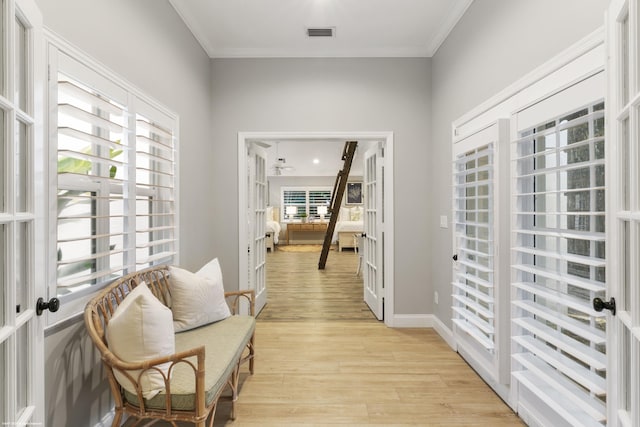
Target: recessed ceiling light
column 316, row 161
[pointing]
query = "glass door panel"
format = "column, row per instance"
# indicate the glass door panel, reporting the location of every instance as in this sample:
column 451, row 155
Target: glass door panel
column 21, row 71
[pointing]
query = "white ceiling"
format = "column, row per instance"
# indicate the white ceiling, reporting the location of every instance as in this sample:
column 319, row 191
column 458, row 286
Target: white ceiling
column 363, row 28
column 300, row 155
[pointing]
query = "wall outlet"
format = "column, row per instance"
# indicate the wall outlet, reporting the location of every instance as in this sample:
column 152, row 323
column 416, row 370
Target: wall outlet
column 435, row 297
column 444, row 221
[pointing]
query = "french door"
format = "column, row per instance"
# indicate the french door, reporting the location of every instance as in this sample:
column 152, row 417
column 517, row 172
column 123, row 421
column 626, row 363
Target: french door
column 623, row 249
column 559, row 355
column 372, row 265
column 257, row 223
column 21, row 206
column 480, row 290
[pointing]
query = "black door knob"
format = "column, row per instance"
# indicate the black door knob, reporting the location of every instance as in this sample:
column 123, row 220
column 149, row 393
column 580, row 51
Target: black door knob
column 455, row 257
column 52, row 305
column 599, row 305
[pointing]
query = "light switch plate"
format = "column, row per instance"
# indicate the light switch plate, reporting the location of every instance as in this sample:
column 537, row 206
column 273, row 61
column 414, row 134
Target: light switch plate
column 444, row 222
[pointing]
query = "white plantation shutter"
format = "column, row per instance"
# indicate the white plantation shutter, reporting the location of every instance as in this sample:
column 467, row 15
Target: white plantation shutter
column 319, row 198
column 155, row 187
column 293, row 197
column 116, row 179
column 305, row 199
column 473, row 281
column 92, row 165
column 559, row 264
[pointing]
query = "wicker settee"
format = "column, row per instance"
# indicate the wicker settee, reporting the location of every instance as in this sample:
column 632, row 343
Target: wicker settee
column 207, row 359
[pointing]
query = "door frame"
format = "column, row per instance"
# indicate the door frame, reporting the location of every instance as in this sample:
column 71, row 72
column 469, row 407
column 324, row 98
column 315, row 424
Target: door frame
column 246, row 138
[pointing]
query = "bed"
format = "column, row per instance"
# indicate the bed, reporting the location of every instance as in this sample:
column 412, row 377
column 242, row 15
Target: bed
column 349, row 223
column 272, row 228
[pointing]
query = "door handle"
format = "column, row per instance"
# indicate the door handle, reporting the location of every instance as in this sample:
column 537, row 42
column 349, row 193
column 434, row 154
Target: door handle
column 52, row 305
column 455, row 257
column 599, row 305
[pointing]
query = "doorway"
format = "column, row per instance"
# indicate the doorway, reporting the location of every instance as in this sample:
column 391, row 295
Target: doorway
column 384, row 205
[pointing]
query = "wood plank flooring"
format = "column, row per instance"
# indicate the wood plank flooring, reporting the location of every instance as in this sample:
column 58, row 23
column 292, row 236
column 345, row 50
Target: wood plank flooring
column 316, row 366
column 298, row 291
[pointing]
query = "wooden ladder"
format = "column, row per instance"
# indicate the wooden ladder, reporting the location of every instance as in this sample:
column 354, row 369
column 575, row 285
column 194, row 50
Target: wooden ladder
column 336, row 199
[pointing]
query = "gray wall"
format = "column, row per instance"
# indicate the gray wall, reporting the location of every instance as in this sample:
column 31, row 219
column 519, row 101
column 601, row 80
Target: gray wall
column 331, row 95
column 145, row 42
column 495, row 43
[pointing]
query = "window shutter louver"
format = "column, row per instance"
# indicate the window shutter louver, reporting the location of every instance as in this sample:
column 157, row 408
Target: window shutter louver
column 559, row 266
column 155, row 183
column 92, row 161
column 319, row 198
column 473, row 289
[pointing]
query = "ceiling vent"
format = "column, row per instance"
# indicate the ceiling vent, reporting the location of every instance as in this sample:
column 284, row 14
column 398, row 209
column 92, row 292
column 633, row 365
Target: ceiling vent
column 321, row 32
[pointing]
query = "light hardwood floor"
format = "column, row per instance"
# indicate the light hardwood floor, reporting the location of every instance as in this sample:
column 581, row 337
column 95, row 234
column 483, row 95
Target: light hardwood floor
column 298, row 291
column 317, row 366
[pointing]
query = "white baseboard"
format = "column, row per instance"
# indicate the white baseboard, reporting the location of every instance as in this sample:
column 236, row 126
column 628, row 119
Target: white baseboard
column 424, row 321
column 445, row 333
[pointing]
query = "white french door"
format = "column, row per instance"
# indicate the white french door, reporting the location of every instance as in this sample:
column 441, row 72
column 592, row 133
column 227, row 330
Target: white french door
column 480, row 293
column 257, row 232
column 559, row 355
column 372, row 266
column 623, row 248
column 21, row 205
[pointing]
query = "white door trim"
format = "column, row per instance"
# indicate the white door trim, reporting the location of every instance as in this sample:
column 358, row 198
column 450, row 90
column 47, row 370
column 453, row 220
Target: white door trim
column 245, row 138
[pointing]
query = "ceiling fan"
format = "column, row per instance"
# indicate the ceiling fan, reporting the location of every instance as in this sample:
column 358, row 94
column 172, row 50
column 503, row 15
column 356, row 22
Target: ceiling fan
column 280, row 164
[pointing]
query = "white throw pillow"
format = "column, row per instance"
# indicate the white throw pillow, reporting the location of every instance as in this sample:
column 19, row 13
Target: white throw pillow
column 197, row 298
column 356, row 214
column 141, row 328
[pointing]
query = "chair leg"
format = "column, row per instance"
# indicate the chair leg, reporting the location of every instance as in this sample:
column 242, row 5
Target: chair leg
column 117, row 418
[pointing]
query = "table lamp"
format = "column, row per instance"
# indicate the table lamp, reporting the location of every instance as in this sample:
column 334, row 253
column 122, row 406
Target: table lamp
column 291, row 211
column 322, row 211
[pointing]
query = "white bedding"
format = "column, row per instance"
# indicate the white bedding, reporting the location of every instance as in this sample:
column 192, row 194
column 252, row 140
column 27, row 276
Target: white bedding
column 274, row 227
column 347, row 226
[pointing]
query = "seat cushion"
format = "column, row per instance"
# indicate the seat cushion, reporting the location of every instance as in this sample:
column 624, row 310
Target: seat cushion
column 224, row 343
